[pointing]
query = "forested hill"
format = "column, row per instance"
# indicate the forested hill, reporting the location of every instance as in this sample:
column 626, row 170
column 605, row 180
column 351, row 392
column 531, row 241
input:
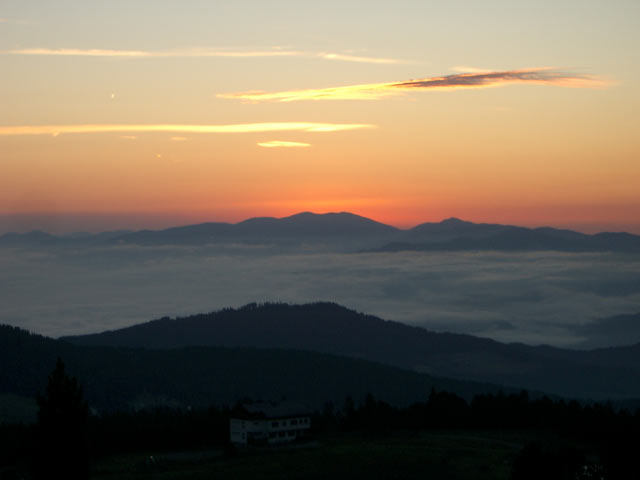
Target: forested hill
column 117, row 378
column 330, row 328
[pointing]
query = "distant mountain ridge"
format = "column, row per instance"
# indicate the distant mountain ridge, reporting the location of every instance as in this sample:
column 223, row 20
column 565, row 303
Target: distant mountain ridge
column 299, row 228
column 342, row 231
column 454, row 234
column 332, row 329
column 348, row 232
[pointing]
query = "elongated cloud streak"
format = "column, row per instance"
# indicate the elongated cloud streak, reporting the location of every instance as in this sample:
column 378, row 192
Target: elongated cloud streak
column 372, row 91
column 197, row 52
column 231, row 128
column 283, row 144
column 76, row 52
column 359, row 59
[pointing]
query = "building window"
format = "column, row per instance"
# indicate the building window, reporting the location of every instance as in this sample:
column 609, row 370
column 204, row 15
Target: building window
column 294, row 422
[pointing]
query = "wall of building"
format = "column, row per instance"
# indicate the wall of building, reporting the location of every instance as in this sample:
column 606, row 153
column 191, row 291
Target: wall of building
column 274, row 430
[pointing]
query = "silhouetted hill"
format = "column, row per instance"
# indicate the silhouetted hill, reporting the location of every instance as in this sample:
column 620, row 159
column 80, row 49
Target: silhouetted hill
column 330, row 328
column 451, row 228
column 308, row 223
column 38, row 238
column 96, row 237
column 509, row 238
column 337, row 229
column 116, row 378
column 35, row 238
column 347, row 232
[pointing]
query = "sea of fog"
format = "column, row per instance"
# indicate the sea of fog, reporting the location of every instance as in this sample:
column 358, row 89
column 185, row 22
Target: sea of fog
column 544, row 297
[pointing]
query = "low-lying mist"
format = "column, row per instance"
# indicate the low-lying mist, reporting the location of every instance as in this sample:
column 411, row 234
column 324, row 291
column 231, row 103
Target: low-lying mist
column 543, row 297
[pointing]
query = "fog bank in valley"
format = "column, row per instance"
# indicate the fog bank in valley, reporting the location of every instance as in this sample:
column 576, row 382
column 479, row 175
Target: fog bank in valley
column 542, row 297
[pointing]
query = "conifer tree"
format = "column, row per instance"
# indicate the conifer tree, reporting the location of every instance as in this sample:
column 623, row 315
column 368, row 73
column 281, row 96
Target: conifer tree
column 62, row 429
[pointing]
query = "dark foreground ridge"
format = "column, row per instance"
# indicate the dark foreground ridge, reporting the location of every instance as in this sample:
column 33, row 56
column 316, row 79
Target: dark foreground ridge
column 134, row 378
column 165, row 413
column 611, row 373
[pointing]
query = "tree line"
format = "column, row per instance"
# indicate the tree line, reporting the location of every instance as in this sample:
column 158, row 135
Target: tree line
column 66, row 436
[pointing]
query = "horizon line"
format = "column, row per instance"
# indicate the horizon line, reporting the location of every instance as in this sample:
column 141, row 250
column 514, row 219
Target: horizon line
column 151, row 215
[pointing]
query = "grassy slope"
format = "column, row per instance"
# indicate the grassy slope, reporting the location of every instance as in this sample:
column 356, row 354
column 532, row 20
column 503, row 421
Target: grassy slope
column 453, row 455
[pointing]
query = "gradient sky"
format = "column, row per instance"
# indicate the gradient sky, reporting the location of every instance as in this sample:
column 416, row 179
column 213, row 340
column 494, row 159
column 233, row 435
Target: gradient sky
column 149, row 114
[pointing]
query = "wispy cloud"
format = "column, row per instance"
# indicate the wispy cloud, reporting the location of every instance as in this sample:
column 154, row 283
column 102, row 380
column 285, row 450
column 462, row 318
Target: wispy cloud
column 283, row 144
column 360, row 59
column 483, row 79
column 76, row 52
column 178, row 139
column 230, row 128
column 199, row 52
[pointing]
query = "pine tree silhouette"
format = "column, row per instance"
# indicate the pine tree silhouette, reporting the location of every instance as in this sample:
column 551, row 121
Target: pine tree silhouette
column 62, row 429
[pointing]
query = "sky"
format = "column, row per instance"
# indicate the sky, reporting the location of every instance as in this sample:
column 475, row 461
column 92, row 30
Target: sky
column 150, row 114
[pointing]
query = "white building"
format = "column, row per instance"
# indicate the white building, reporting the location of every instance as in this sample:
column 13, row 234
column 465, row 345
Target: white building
column 269, row 423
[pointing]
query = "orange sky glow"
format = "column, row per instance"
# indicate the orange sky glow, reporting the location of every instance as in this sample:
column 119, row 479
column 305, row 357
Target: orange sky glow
column 217, row 117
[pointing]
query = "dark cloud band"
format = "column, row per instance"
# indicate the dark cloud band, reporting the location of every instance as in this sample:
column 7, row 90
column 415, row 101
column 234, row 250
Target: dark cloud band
column 373, row 91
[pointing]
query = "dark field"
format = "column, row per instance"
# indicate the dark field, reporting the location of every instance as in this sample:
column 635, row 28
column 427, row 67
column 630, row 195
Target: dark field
column 449, row 454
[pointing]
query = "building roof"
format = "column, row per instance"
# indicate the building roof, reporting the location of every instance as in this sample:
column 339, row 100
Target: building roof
column 272, row 410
